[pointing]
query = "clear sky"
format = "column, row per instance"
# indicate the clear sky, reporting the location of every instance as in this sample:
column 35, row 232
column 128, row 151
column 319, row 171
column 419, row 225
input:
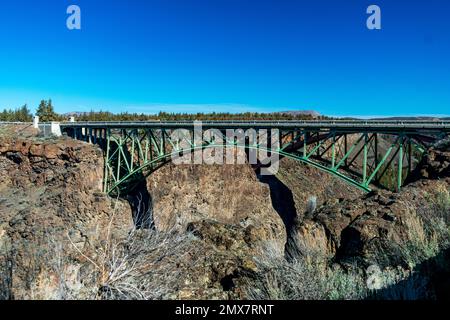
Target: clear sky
column 227, row 55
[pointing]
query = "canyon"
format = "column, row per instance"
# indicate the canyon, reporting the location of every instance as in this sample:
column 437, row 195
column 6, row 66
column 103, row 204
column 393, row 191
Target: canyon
column 216, row 231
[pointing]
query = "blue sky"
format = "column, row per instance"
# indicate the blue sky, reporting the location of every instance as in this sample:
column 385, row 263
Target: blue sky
column 227, row 55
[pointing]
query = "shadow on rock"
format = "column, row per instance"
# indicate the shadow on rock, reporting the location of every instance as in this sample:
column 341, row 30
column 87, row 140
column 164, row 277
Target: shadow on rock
column 429, row 280
column 284, row 204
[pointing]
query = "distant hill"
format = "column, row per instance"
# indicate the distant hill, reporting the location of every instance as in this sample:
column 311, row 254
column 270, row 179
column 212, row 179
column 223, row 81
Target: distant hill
column 311, row 113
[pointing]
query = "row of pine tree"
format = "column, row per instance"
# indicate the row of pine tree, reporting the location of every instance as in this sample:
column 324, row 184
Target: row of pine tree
column 46, row 113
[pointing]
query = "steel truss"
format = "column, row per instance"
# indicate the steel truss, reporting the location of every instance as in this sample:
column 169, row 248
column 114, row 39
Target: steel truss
column 360, row 158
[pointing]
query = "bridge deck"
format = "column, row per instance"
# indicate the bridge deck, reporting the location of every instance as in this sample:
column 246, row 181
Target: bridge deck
column 372, row 125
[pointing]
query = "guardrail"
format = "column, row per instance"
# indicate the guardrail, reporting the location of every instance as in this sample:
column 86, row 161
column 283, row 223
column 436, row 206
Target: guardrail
column 14, row 123
column 326, row 122
column 46, row 128
column 388, row 124
column 434, row 125
column 269, row 121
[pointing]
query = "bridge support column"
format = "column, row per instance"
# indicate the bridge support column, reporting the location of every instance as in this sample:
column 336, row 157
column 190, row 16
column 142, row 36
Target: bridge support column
column 305, row 144
column 409, row 156
column 345, row 149
column 105, row 176
column 333, row 151
column 400, row 165
column 318, row 145
column 365, row 151
column 376, row 155
column 95, row 136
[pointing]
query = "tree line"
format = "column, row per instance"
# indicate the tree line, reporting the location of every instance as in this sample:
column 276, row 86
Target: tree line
column 168, row 116
column 22, row 114
column 46, row 113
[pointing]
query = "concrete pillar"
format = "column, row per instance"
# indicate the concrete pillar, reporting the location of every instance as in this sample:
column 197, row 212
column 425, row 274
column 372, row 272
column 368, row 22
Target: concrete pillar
column 55, row 129
column 36, row 122
column 72, row 119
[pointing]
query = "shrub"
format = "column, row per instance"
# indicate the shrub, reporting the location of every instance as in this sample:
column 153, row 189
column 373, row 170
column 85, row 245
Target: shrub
column 311, row 205
column 143, row 266
column 303, row 279
column 312, row 277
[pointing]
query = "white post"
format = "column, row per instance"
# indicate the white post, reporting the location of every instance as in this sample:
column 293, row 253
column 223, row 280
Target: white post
column 72, row 119
column 56, row 129
column 36, row 122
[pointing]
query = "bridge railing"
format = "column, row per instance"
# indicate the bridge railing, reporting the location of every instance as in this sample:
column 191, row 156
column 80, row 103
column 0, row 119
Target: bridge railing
column 442, row 125
column 14, row 123
column 274, row 121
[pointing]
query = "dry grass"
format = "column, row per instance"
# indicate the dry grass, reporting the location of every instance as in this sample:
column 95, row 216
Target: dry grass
column 303, row 279
column 145, row 264
column 312, row 279
column 142, row 266
column 428, row 229
column 6, row 268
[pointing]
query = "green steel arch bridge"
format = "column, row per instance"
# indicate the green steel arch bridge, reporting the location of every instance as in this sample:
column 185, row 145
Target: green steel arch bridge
column 365, row 154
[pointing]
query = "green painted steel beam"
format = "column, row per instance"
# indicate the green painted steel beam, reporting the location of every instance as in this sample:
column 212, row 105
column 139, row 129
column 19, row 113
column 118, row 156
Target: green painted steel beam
column 129, row 167
column 400, row 165
column 288, row 155
column 343, row 160
column 305, row 144
column 365, row 159
column 106, row 172
column 333, row 151
column 380, row 164
column 316, row 148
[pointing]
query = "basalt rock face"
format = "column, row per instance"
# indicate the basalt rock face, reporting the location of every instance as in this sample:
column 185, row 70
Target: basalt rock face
column 229, row 194
column 349, row 230
column 435, row 164
column 50, row 191
column 231, row 214
column 224, row 263
column 305, row 181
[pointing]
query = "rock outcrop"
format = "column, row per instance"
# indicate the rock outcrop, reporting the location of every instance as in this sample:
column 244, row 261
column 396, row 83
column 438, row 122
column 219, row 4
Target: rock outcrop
column 229, row 194
column 56, row 224
column 305, row 182
column 50, row 191
column 357, row 229
column 435, row 164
